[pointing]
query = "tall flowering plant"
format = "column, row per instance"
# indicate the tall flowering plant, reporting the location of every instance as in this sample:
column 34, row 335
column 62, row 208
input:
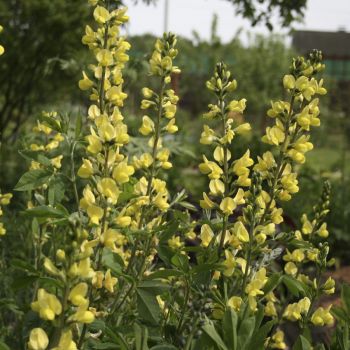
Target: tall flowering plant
column 120, row 263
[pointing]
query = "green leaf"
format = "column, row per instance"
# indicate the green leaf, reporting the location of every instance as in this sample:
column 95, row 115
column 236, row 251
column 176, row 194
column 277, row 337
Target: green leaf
column 33, row 179
column 230, row 321
column 302, row 344
column 153, row 287
column 78, row 125
column 45, row 211
column 164, row 274
column 164, row 347
column 112, row 261
column 181, row 262
column 117, row 338
column 57, row 188
column 294, row 286
column 210, row 330
column 141, row 337
column 258, row 339
column 274, row 280
column 36, row 156
column 147, row 306
column 23, row 265
column 345, row 296
column 245, row 332
column 51, row 282
column 24, row 282
column 3, row 346
column 340, row 314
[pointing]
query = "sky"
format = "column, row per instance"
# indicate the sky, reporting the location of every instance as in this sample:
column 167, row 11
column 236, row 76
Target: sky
column 188, row 15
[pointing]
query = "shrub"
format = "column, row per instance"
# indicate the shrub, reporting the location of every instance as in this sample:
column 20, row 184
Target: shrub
column 120, row 263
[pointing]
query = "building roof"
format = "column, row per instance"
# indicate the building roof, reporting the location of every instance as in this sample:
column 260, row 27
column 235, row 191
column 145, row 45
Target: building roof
column 332, row 44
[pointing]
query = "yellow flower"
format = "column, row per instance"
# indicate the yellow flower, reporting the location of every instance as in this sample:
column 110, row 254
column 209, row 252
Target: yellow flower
column 210, row 168
column 235, row 303
column 322, row 317
column 2, row 50
column 110, row 281
column 78, row 293
column 38, row 339
column 278, row 341
column 240, row 232
column 237, row 106
column 307, row 226
column 95, row 214
column 175, row 242
column 85, row 83
column 208, row 136
column 86, row 169
column 241, row 165
column 66, row 341
column 109, row 189
column 170, row 110
column 294, row 312
column 270, row 309
column 216, row 187
column 228, row 205
column 110, row 237
column 229, row 263
column 47, row 305
column 257, row 283
column 171, row 128
column 274, row 135
column 50, row 267
column 206, row 203
column 289, row 82
column 297, row 256
column 147, row 126
column 82, row 314
column 206, row 235
column 101, row 15
column 329, row 286
column 122, row 172
column 323, row 232
column 219, row 154
column 95, row 145
column 56, row 162
column 290, row 268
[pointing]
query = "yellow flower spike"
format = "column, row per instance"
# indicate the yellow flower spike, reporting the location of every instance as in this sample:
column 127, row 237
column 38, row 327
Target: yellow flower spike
column 290, row 268
column 122, row 172
column 322, row 317
column 206, row 235
column 109, row 189
column 237, row 106
column 101, row 15
column 78, row 293
column 38, row 339
column 109, row 281
column 206, row 203
column 85, row 83
column 66, row 341
column 47, row 305
column 86, row 170
column 235, row 303
column 147, row 126
column 228, row 205
column 240, row 232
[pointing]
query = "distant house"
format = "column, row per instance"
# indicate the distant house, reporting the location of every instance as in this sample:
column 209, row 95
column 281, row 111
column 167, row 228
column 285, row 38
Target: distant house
column 335, row 47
